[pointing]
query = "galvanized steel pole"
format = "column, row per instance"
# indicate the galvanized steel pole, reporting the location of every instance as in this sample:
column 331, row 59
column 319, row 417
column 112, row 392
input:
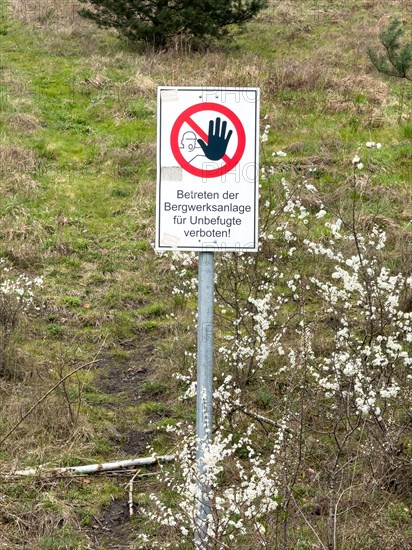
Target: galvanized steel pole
column 204, row 390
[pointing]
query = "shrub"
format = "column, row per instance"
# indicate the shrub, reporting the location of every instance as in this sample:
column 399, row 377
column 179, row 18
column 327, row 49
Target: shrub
column 158, row 22
column 318, row 318
column 16, row 298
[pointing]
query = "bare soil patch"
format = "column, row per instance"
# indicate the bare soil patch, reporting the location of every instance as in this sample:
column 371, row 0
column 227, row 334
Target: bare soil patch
column 124, row 377
column 112, row 530
column 133, row 442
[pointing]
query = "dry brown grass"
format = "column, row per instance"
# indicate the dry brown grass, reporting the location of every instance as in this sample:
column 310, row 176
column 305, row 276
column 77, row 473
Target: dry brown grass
column 215, row 69
column 32, row 518
column 49, row 422
column 317, row 73
column 15, row 159
column 141, row 204
column 23, row 122
column 16, row 89
column 19, row 226
column 139, row 85
column 17, row 166
column 40, row 435
column 60, row 12
column 295, row 75
column 20, row 184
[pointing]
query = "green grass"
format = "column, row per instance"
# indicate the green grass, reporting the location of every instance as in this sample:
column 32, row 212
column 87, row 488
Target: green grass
column 88, row 224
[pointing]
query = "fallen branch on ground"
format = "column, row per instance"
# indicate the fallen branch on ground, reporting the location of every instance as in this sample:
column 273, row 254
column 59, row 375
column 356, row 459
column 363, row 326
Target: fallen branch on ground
column 96, row 468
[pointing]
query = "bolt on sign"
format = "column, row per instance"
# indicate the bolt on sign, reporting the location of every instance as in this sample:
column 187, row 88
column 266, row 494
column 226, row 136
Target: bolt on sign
column 207, row 169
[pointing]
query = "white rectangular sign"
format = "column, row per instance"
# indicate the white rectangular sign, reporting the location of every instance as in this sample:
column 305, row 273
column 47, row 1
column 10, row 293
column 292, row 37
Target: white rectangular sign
column 207, row 169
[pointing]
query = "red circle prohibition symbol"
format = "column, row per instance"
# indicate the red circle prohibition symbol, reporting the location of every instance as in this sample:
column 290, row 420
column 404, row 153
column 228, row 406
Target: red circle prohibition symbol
column 230, row 163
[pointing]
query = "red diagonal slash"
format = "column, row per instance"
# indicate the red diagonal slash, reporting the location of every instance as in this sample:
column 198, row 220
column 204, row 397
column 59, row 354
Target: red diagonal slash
column 204, row 136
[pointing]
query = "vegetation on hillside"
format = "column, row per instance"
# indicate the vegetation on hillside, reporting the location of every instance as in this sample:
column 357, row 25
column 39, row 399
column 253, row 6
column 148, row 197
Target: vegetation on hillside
column 160, row 23
column 313, row 380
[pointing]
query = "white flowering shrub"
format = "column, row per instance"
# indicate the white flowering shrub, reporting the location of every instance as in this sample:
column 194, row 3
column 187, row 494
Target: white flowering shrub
column 371, row 358
column 313, row 374
column 17, row 294
column 236, row 508
column 242, row 483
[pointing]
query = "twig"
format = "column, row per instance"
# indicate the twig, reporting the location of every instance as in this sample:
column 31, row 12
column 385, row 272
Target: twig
column 130, row 484
column 266, row 420
column 308, row 522
column 8, row 434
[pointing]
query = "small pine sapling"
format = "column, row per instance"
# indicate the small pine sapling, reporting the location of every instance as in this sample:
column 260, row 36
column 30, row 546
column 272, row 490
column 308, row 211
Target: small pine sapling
column 397, row 59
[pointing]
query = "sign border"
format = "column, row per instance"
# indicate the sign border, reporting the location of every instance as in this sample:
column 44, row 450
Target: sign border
column 207, row 246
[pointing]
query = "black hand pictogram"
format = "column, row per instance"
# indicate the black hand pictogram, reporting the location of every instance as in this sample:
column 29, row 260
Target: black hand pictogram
column 216, row 146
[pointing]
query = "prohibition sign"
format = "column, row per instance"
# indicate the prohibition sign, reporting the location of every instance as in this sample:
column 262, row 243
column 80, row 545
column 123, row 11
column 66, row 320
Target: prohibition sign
column 230, row 163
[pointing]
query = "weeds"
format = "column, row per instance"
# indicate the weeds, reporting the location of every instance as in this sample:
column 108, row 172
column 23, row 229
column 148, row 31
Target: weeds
column 78, row 170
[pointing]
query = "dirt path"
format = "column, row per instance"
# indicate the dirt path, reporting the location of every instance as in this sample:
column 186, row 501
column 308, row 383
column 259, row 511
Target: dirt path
column 121, row 382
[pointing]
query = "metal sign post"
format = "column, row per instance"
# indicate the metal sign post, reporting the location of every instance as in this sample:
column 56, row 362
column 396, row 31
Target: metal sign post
column 207, row 201
column 204, row 391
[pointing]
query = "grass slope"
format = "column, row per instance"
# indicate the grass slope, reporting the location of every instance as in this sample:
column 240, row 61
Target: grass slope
column 77, row 154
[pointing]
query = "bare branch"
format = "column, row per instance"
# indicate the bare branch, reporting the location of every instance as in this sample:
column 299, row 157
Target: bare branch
column 45, row 396
column 96, row 468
